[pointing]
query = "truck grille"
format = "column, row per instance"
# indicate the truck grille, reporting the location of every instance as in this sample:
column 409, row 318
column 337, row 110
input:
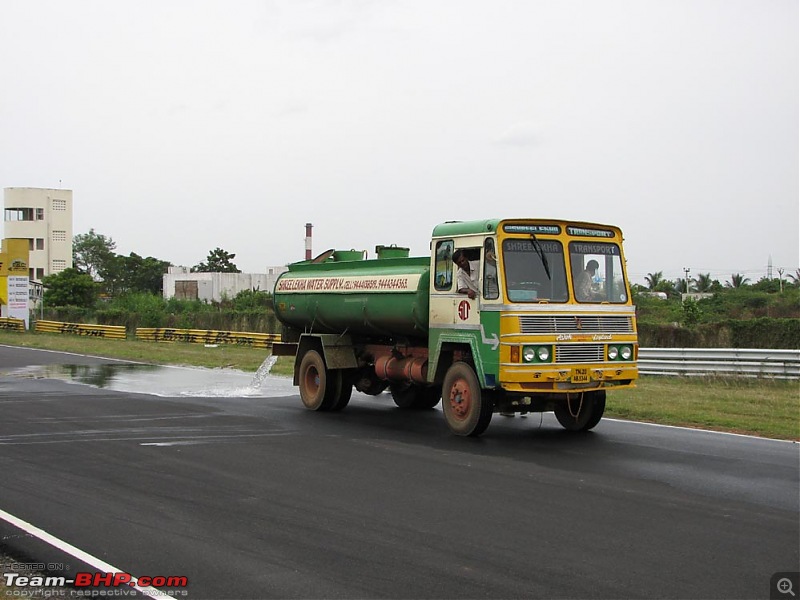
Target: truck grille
column 574, row 324
column 579, row 353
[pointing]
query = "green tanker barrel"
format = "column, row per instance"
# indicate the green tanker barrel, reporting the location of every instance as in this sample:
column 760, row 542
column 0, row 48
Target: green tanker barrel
column 387, row 296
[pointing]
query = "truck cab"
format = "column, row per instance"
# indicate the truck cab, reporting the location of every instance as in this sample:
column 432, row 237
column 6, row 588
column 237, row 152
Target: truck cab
column 553, row 326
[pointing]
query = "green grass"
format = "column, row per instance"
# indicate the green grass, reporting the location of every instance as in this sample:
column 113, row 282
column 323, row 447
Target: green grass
column 763, row 407
column 768, row 408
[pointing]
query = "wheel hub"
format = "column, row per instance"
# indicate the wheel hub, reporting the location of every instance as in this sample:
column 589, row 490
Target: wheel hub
column 460, row 399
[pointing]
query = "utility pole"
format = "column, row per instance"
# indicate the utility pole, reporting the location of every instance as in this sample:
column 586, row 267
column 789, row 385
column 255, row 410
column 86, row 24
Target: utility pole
column 686, row 270
column 780, row 278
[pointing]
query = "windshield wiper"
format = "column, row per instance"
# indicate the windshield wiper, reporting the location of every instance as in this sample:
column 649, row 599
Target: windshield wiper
column 538, row 247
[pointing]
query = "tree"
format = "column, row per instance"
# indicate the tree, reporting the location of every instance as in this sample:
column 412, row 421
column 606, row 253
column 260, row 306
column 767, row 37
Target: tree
column 737, row 280
column 143, row 274
column 218, row 261
column 765, row 284
column 654, row 279
column 92, row 253
column 703, row 282
column 691, row 312
column 680, row 286
column 70, row 287
column 658, row 283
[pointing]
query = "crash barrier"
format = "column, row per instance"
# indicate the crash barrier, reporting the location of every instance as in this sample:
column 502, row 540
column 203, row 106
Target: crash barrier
column 12, row 324
column 114, row 332
column 204, row 336
column 780, row 364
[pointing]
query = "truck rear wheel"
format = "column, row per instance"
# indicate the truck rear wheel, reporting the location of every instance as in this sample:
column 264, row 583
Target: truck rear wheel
column 583, row 412
column 319, row 387
column 466, row 410
column 345, row 388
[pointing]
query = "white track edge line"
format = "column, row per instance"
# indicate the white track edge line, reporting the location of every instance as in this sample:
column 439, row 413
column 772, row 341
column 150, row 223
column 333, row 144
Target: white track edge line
column 76, row 552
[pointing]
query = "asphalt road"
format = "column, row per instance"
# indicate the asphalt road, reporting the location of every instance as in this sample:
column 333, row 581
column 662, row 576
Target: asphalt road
column 257, row 497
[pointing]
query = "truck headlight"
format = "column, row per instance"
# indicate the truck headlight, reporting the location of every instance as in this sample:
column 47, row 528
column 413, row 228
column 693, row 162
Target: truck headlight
column 528, row 354
column 543, row 353
column 626, row 352
column 613, row 352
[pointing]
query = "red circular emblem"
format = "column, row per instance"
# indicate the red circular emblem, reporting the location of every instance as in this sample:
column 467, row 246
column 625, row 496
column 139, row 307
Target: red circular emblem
column 463, row 310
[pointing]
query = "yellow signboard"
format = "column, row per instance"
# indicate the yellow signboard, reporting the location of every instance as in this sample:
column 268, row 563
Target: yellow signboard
column 14, row 262
column 14, row 257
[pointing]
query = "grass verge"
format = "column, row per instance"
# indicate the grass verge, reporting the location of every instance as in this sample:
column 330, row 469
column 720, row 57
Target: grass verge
column 768, row 408
column 763, row 407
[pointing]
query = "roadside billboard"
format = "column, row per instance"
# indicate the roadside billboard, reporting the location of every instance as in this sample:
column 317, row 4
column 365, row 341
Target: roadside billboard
column 14, row 283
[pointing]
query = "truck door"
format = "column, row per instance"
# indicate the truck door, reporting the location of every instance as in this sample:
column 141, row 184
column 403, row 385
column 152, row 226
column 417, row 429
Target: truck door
column 447, row 306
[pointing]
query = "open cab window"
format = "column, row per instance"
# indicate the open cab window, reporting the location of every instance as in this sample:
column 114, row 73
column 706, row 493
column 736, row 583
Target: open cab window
column 597, row 273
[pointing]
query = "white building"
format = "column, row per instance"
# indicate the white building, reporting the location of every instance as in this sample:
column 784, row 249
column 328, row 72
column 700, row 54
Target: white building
column 214, row 287
column 44, row 217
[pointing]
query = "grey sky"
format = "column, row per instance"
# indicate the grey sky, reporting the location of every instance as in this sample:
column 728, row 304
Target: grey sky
column 185, row 125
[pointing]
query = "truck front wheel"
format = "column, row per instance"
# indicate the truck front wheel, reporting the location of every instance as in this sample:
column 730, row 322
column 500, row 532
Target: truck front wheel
column 581, row 412
column 466, row 410
column 319, row 387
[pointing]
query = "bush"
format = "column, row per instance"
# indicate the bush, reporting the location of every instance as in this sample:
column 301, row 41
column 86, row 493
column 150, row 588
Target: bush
column 732, row 333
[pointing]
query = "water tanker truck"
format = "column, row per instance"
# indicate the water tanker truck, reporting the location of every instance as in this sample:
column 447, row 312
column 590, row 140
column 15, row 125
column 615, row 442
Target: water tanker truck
column 551, row 328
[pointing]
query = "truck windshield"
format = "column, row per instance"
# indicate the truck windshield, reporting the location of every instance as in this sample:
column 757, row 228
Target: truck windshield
column 525, row 274
column 597, row 273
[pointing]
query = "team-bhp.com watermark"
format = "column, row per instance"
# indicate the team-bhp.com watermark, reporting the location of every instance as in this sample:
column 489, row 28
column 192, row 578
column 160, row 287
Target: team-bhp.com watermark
column 86, row 584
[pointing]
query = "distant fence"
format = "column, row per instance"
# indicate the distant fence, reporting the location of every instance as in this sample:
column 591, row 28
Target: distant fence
column 114, row 332
column 783, row 364
column 12, row 324
column 203, row 336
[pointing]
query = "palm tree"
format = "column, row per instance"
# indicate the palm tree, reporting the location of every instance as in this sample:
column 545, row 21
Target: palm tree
column 795, row 277
column 703, row 282
column 737, row 280
column 654, row 279
column 680, row 286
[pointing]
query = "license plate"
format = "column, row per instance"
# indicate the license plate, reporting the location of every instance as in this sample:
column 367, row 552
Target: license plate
column 580, row 375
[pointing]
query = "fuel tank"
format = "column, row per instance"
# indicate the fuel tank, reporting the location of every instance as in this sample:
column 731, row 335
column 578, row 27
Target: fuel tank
column 387, row 296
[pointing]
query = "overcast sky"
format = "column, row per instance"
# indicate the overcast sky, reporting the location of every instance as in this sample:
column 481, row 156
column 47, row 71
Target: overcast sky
column 181, row 126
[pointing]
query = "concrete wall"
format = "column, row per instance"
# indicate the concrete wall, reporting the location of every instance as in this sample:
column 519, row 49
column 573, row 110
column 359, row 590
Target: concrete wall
column 216, row 286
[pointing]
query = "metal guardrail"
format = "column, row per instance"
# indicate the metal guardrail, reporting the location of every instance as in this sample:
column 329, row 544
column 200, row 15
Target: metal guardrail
column 12, row 324
column 204, row 336
column 114, row 332
column 782, row 364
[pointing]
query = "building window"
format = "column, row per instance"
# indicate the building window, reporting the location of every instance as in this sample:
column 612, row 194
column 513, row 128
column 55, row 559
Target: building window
column 30, row 273
column 39, row 274
column 40, row 214
column 19, row 214
column 59, row 204
column 59, row 265
column 30, row 244
column 59, row 235
column 40, row 243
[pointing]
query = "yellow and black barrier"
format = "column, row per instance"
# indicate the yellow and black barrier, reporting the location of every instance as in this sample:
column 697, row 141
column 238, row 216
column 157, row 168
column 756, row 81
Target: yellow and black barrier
column 113, row 332
column 12, row 324
column 205, row 336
